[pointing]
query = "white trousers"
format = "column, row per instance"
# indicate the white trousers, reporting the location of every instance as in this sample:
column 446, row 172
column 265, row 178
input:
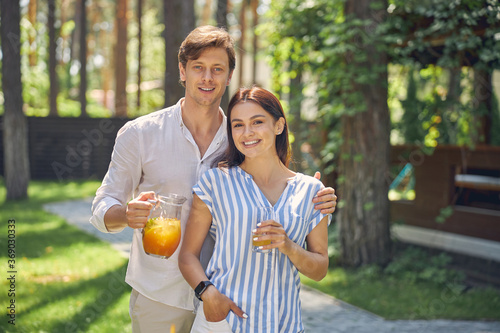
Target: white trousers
column 149, row 316
column 201, row 325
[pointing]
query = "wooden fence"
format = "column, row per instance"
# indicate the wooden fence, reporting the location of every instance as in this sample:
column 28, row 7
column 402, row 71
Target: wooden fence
column 69, row 148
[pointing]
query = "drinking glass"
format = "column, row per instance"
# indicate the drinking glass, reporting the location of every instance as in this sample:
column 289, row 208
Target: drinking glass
column 261, row 214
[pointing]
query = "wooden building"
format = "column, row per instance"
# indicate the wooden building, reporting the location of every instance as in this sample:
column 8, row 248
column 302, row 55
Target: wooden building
column 457, row 200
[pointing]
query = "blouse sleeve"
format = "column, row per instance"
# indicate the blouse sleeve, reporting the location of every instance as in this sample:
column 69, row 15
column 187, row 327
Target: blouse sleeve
column 316, row 215
column 204, row 189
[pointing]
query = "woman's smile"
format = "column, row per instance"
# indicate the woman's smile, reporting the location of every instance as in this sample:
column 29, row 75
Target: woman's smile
column 250, row 143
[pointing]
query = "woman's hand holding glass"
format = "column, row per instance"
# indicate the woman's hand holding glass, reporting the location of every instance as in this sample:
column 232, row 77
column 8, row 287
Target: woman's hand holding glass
column 270, row 230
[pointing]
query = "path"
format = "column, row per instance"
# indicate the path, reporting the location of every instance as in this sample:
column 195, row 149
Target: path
column 321, row 313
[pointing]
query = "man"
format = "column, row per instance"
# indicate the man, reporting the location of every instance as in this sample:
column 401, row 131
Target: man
column 166, row 152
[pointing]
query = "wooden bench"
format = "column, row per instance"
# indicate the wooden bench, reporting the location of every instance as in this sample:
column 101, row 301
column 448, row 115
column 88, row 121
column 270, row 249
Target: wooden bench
column 477, row 182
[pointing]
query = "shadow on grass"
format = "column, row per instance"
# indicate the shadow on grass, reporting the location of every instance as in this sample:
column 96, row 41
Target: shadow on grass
column 109, row 288
column 37, row 230
column 34, row 244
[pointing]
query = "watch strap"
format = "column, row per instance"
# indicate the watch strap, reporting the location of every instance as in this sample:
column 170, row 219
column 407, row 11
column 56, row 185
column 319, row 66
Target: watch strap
column 201, row 287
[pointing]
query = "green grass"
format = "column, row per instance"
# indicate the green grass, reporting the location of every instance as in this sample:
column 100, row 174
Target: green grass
column 398, row 298
column 69, row 281
column 65, row 280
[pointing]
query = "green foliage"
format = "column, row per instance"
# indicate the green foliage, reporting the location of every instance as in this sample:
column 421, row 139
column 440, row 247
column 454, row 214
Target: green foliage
column 415, row 265
column 151, row 100
column 153, row 44
column 445, row 213
column 433, row 116
column 409, row 125
column 153, row 60
column 36, row 87
column 453, row 34
column 495, row 122
column 70, row 108
column 416, row 26
column 412, row 265
column 317, row 38
column 36, row 78
column 333, row 244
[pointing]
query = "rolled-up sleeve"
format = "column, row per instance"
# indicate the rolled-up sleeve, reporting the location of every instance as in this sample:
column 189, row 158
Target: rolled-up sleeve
column 123, row 175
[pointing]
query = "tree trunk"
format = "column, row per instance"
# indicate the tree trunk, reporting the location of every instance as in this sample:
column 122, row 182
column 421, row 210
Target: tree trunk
column 32, row 57
column 221, row 16
column 243, row 28
column 255, row 39
column 296, row 122
column 52, row 60
column 364, row 162
column 139, row 52
column 107, row 69
column 177, row 13
column 15, row 131
column 63, row 10
column 482, row 104
column 206, row 13
column 83, row 58
column 121, row 60
column 188, row 20
column 453, row 100
column 107, row 74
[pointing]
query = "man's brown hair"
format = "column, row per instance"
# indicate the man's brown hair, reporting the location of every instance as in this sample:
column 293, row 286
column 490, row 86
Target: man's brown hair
column 205, row 37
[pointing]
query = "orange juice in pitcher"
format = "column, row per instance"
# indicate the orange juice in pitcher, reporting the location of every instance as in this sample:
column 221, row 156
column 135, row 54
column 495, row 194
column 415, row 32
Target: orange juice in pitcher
column 162, row 234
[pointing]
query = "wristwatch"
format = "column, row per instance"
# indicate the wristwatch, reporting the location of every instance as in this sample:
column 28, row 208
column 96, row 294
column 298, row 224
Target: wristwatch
column 200, row 288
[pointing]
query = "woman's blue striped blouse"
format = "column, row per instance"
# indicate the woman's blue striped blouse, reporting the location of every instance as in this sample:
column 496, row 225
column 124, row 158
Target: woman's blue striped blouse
column 265, row 286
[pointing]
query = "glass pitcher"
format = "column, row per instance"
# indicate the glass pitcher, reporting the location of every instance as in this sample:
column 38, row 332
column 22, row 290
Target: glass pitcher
column 162, row 234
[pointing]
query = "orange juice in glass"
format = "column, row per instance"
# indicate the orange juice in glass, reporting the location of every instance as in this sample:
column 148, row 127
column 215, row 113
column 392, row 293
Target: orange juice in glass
column 261, row 214
column 162, row 234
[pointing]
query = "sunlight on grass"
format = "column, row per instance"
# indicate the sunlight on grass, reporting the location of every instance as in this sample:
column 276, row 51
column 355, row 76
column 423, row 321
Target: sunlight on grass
column 44, row 191
column 66, row 280
column 336, row 276
column 50, row 191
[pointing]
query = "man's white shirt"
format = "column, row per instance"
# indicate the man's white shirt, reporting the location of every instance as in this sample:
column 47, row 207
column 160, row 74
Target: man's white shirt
column 156, row 153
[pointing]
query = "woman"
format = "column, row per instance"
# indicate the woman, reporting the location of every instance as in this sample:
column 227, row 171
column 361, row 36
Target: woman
column 242, row 290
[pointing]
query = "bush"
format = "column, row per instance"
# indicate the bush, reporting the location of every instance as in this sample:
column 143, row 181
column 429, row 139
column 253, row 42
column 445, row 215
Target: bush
column 67, row 107
column 415, row 264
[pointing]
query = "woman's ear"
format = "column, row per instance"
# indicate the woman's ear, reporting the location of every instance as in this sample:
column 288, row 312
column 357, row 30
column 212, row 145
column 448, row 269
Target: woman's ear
column 280, row 126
